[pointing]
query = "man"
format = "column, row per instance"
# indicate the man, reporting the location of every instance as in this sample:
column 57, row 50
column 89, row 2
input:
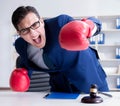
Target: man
column 58, row 47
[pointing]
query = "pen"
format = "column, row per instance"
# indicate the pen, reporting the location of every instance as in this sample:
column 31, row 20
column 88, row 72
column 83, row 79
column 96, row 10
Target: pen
column 106, row 94
column 46, row 95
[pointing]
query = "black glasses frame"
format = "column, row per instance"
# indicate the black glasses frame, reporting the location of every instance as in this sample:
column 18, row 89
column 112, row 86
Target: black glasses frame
column 34, row 26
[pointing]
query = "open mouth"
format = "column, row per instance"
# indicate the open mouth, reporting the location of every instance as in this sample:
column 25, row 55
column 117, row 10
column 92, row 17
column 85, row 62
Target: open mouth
column 37, row 40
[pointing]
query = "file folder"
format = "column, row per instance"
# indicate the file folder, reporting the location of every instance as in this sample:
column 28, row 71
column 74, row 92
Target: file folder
column 59, row 95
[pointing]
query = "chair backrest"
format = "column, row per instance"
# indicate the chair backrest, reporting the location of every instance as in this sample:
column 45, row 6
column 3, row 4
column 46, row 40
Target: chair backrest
column 39, row 82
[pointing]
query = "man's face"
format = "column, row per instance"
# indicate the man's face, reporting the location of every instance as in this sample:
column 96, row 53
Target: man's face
column 31, row 29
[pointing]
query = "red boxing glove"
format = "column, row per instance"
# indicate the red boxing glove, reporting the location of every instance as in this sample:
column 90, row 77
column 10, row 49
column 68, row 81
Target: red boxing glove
column 73, row 36
column 91, row 25
column 19, row 80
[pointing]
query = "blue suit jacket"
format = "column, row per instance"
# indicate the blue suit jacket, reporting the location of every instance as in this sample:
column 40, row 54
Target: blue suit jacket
column 70, row 71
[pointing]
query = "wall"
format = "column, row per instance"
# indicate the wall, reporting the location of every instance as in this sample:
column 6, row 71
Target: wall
column 47, row 8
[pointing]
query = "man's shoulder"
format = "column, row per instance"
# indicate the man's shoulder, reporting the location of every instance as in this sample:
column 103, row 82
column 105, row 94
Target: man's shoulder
column 20, row 43
column 64, row 16
column 60, row 18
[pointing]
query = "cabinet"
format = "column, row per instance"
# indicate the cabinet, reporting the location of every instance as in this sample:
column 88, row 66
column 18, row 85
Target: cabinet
column 108, row 48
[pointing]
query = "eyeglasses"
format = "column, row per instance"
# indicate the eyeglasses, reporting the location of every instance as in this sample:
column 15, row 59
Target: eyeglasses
column 34, row 26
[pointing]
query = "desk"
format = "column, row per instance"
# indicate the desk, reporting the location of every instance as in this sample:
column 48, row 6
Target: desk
column 10, row 98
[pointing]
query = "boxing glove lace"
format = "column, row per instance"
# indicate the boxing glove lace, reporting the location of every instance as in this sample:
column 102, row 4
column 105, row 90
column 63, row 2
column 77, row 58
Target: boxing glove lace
column 92, row 26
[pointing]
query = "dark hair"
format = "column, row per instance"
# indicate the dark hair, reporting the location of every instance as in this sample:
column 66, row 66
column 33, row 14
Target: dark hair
column 20, row 13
